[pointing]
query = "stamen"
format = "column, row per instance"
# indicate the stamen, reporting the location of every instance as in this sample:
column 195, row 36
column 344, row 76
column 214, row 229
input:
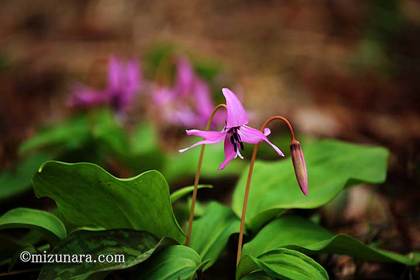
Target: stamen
column 235, row 140
column 232, row 139
column 238, row 153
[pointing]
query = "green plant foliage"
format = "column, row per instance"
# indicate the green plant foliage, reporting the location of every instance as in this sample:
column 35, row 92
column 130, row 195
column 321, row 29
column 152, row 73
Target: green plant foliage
column 109, row 134
column 212, row 231
column 186, row 190
column 304, row 235
column 144, row 151
column 134, row 246
column 70, row 134
column 175, row 262
column 280, row 263
column 331, row 164
column 33, row 218
column 14, row 183
column 86, row 195
column 144, row 139
column 181, row 165
column 207, row 68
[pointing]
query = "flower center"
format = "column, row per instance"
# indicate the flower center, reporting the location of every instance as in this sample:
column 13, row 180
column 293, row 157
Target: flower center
column 236, row 141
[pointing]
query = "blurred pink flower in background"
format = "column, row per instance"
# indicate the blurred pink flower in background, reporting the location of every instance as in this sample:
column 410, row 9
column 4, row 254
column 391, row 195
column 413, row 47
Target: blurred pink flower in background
column 124, row 82
column 188, row 102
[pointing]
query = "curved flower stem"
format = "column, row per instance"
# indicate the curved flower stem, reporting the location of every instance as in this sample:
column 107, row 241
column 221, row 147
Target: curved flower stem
column 250, row 172
column 197, row 176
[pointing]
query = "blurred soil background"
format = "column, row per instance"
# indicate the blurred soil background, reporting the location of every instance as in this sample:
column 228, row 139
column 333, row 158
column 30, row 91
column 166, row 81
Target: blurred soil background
column 336, row 68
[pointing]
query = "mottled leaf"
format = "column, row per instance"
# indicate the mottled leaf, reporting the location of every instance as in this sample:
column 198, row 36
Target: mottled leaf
column 101, row 250
column 87, row 195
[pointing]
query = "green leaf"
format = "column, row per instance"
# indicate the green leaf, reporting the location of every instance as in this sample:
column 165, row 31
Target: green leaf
column 303, row 235
column 180, row 165
column 126, row 248
column 32, row 218
column 69, row 134
column 280, row 263
column 175, row 262
column 331, row 166
column 14, row 183
column 212, row 231
column 87, row 195
column 186, row 190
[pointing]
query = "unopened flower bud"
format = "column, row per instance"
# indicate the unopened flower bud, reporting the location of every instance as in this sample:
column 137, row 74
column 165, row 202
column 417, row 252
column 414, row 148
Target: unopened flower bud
column 299, row 165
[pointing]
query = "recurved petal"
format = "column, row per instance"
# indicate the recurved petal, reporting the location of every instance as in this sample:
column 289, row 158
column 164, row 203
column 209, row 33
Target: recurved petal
column 133, row 76
column 210, row 137
column 201, row 92
column 236, row 114
column 114, row 73
column 184, row 77
column 87, row 97
column 230, row 154
column 254, row 136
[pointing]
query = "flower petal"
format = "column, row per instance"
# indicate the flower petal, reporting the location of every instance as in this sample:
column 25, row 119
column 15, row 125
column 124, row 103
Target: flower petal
column 254, row 136
column 229, row 154
column 204, row 104
column 184, row 77
column 210, row 137
column 133, row 76
column 129, row 84
column 184, row 116
column 114, row 73
column 236, row 114
column 87, row 97
column 163, row 96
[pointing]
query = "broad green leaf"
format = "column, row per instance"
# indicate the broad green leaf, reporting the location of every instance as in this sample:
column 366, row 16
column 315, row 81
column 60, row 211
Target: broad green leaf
column 306, row 236
column 123, row 248
column 69, row 134
column 34, row 219
column 331, row 166
column 14, row 183
column 212, row 231
column 175, row 262
column 185, row 164
column 186, row 190
column 280, row 263
column 87, row 195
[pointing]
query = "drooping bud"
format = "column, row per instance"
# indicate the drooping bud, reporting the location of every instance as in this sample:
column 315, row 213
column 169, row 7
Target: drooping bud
column 299, row 165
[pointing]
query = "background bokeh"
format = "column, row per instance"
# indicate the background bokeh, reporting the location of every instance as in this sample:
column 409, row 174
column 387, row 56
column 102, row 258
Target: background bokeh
column 336, row 68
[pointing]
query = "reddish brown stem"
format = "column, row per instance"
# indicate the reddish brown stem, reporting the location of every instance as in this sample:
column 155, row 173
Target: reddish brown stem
column 249, row 178
column 197, row 176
